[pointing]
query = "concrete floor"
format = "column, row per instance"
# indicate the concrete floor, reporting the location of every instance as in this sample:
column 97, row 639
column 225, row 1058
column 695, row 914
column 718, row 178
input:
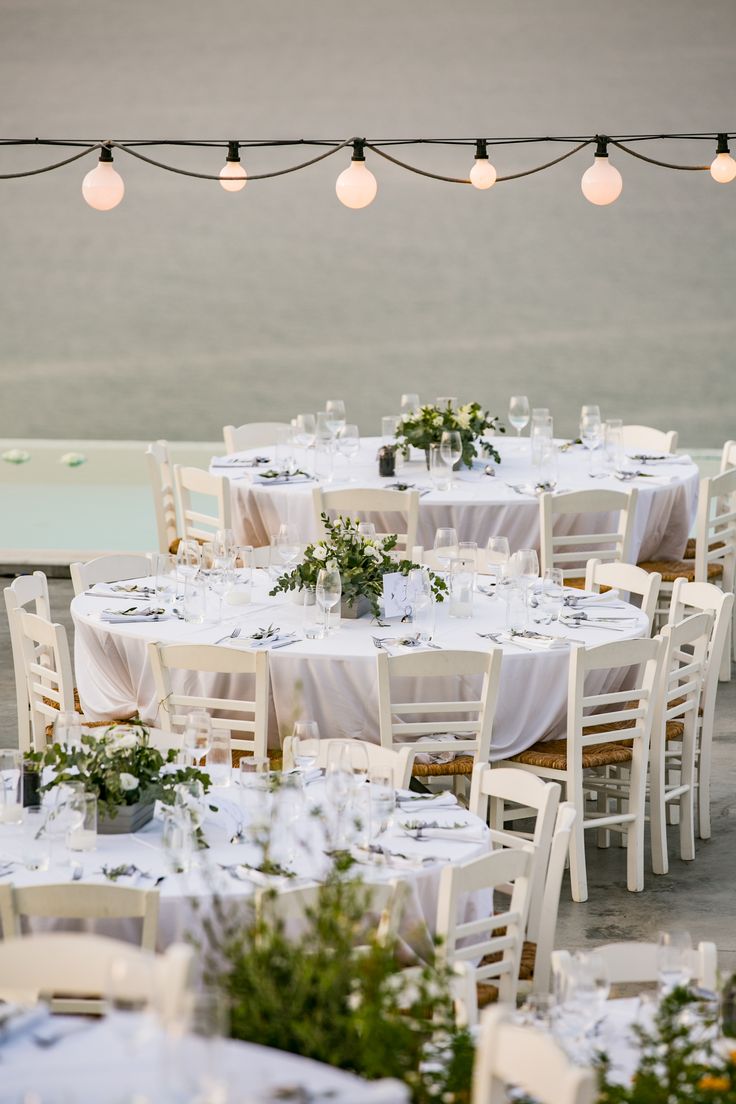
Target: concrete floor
column 699, row 896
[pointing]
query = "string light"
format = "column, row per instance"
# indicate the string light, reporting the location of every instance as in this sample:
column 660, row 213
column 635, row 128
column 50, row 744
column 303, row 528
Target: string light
column 602, row 182
column 233, row 176
column 723, row 166
column 356, row 186
column 482, row 174
column 103, row 187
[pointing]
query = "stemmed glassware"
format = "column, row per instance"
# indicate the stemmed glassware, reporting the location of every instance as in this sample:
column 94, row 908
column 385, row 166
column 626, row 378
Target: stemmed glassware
column 197, row 736
column 445, row 546
column 383, row 802
column 591, row 433
column 550, row 596
column 409, row 403
column 339, row 785
column 451, row 450
column 519, row 413
column 328, row 593
column 497, row 553
column 305, row 733
column 288, row 544
column 420, row 598
column 348, row 444
column 305, row 434
column 335, row 411
column 527, row 562
column 188, row 561
column 674, row 960
column 164, row 574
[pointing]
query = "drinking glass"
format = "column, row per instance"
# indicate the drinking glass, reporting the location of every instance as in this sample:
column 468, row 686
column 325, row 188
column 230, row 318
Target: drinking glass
column 164, row 574
column 348, row 444
column 591, row 410
column 188, row 559
column 549, row 596
column 548, row 461
column 383, row 801
column 335, row 411
column 613, row 438
column 304, row 745
column 323, row 444
column 305, row 432
column 358, row 759
column 510, row 589
column 445, row 401
column 367, row 530
column 197, row 736
column 195, row 599
column 445, row 546
column 409, row 403
column 224, row 544
column 451, row 449
column 519, row 413
column 420, row 598
column 468, row 550
column 674, row 960
column 328, row 593
column 541, row 431
column 497, row 553
column 540, row 414
column 221, row 582
column 11, row 798
column 591, row 433
column 338, row 786
column 389, row 426
column 62, row 818
column 462, row 578
column 220, row 757
column 288, row 544
column 439, row 472
column 83, row 835
column 190, row 800
column 36, row 846
column 206, row 1022
column 527, row 562
column 177, row 838
column 68, row 731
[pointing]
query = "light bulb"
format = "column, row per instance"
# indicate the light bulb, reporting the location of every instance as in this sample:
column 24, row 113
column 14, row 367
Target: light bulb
column 103, row 187
column 233, row 176
column 356, row 186
column 483, row 174
column 602, row 182
column 723, row 166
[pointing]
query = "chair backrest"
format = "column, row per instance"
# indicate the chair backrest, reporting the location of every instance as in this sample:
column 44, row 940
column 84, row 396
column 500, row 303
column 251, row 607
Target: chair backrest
column 472, row 733
column 637, row 962
column 728, row 456
column 245, row 717
column 78, row 964
column 47, row 670
column 566, row 815
column 109, row 569
column 80, row 902
column 578, row 540
column 26, row 590
column 715, row 527
column 195, row 524
column 164, row 499
column 291, row 906
column 525, row 1057
column 397, row 762
column 251, row 435
column 492, row 790
column 682, row 674
column 476, row 941
column 628, row 579
column 392, row 512
column 648, row 439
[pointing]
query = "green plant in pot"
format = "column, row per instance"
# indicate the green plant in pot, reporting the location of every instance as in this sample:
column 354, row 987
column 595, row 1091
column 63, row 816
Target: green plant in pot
column 425, row 427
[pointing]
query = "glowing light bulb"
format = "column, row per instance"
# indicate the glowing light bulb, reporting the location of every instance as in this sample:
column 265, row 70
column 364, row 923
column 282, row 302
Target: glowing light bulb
column 723, row 166
column 233, row 176
column 103, row 187
column 482, row 175
column 356, row 186
column 602, row 182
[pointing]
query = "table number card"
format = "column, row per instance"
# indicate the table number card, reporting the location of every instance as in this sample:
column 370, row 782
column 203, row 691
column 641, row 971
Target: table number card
column 395, row 600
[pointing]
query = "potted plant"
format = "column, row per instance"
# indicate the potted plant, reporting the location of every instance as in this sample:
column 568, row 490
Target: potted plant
column 362, row 563
column 424, row 428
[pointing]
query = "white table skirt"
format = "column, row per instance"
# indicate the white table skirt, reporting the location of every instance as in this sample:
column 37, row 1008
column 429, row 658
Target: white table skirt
column 479, row 506
column 332, row 681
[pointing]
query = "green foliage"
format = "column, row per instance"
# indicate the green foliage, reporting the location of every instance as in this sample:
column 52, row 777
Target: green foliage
column 318, row 996
column 120, row 767
column 426, row 426
column 362, row 563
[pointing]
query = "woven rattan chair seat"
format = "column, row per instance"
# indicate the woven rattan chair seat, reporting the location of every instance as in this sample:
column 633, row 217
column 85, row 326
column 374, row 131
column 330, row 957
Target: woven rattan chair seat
column 678, row 569
column 462, row 765
column 552, row 754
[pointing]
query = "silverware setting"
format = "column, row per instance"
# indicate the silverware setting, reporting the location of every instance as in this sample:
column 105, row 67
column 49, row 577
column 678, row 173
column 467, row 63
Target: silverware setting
column 231, row 635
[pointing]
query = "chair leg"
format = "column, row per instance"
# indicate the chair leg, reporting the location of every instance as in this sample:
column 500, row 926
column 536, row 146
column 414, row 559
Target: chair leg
column 658, row 816
column 603, row 836
column 578, row 871
column 704, row 829
column 724, row 675
column 635, row 833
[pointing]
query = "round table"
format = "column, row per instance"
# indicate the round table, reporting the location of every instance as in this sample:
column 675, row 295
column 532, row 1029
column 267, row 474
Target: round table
column 478, row 506
column 333, row 680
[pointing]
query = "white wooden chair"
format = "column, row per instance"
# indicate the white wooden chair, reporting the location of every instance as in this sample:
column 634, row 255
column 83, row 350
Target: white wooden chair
column 689, row 598
column 396, row 762
column 246, row 718
column 527, row 1058
column 639, row 438
column 251, row 435
column 715, row 548
column 373, row 504
column 728, row 456
column 628, row 963
column 195, row 524
column 164, row 500
column 627, row 579
column 29, row 592
column 47, row 671
column 470, row 737
column 79, row 902
column 571, row 552
column 480, row 940
column 566, row 817
column 78, row 965
column 290, row 907
column 578, row 760
column 109, row 569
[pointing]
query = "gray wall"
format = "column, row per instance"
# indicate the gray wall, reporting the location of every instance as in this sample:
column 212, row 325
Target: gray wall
column 186, row 308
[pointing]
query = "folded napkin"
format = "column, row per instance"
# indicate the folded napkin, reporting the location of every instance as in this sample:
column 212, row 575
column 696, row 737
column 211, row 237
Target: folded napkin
column 239, row 461
column 536, row 489
column 137, row 592
column 265, row 480
column 400, row 645
column 267, row 643
column 409, row 799
column 134, row 613
column 535, row 643
column 659, row 458
column 437, row 756
column 465, row 833
column 574, row 597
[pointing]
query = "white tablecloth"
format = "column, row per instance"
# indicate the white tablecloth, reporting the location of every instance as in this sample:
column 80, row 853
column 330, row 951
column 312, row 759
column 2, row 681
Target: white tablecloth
column 479, row 506
column 332, row 681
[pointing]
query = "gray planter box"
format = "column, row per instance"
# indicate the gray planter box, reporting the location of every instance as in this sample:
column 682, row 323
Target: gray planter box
column 360, row 607
column 129, row 818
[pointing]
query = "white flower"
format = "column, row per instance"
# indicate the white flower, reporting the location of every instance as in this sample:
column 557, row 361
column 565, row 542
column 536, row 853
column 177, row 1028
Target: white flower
column 332, row 565
column 437, row 420
column 124, row 742
column 319, row 552
column 375, row 553
column 128, row 782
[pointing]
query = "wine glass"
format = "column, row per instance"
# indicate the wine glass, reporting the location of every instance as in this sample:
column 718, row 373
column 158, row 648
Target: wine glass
column 383, row 802
column 591, row 433
column 409, row 403
column 674, row 960
column 335, row 411
column 305, row 432
column 550, row 596
column 451, row 449
column 68, row 731
column 323, row 438
column 348, row 444
column 497, row 553
column 328, row 593
column 367, row 530
column 519, row 413
column 304, row 744
column 527, row 566
column 197, row 735
column 420, row 598
column 164, row 573
column 288, row 544
column 389, row 426
column 224, row 544
column 338, row 784
column 445, row 546
column 591, row 410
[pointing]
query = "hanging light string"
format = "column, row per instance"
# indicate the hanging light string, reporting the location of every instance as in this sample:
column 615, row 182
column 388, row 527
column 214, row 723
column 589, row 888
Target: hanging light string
column 103, row 187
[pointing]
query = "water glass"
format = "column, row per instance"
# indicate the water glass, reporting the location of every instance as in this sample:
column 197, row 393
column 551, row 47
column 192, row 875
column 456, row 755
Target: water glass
column 188, row 559
column 197, row 736
column 451, row 449
column 305, row 432
column 409, row 403
column 335, row 411
column 439, row 472
column 36, row 843
column 542, row 430
column 328, row 593
column 519, row 413
column 189, row 799
column 367, row 530
column 323, row 447
column 288, row 544
column 445, row 402
column 338, row 787
column 590, row 410
column 383, row 801
column 68, row 730
column 591, row 432
column 83, row 835
column 613, row 440
column 224, row 543
column 164, row 575
column 549, row 596
column 220, row 757
column 674, row 960
column 420, row 597
column 348, row 444
column 206, row 1023
column 389, row 426
column 178, row 838
column 527, row 566
column 549, row 464
column 11, row 798
column 462, row 581
column 304, row 745
column 445, row 546
column 468, row 550
column 195, row 599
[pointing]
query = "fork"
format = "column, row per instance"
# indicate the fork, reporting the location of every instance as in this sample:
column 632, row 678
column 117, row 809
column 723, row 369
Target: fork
column 231, row 635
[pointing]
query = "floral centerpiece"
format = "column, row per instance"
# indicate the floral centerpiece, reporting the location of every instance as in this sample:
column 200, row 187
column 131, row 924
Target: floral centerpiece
column 361, row 561
column 425, row 427
column 122, row 768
